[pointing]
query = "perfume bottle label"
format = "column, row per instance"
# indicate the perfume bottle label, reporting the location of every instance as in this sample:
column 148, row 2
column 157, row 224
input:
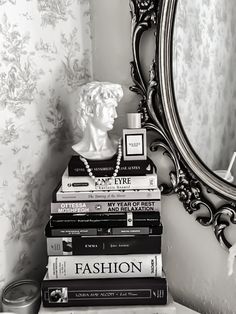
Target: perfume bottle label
column 134, row 144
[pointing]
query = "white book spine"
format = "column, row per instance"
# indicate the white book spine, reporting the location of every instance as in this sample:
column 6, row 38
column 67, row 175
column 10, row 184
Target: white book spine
column 106, row 266
column 86, row 183
column 169, row 308
column 110, row 206
column 150, row 194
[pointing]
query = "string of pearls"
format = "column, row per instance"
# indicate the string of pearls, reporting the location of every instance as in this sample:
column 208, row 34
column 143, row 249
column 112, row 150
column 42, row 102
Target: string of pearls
column 117, row 167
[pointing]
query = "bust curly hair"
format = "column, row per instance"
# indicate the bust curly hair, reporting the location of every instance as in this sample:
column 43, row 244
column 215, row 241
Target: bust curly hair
column 92, row 95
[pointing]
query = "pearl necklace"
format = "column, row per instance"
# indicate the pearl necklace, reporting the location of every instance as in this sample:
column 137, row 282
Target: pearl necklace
column 90, row 173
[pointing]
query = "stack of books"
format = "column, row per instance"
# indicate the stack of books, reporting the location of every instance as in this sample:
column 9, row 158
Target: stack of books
column 104, row 237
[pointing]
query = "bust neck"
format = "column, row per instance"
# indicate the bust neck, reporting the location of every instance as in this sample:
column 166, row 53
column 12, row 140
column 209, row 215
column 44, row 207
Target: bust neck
column 96, row 144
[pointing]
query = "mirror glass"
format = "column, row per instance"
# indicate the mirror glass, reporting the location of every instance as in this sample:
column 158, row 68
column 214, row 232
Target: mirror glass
column 204, row 77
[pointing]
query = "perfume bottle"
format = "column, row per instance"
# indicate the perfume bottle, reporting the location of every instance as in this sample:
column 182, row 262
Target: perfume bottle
column 134, row 139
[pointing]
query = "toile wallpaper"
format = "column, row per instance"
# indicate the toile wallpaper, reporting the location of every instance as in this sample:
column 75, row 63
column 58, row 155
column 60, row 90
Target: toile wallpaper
column 204, row 55
column 45, row 55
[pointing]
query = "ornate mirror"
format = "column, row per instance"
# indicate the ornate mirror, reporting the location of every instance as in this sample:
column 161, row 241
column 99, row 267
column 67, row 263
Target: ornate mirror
column 167, row 99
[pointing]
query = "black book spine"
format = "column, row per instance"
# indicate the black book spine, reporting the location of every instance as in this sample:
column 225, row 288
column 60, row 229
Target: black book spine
column 103, row 245
column 71, row 232
column 108, row 216
column 130, row 291
column 106, row 220
column 101, row 224
column 106, row 167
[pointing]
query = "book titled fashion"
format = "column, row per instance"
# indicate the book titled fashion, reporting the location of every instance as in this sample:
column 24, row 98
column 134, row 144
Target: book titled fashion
column 104, row 245
column 106, row 206
column 86, row 183
column 104, row 266
column 104, row 292
column 106, row 167
column 104, row 195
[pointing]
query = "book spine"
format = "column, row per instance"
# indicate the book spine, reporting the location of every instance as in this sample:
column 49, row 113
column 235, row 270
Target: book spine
column 126, row 195
column 105, row 220
column 106, row 168
column 110, row 206
column 77, row 184
column 104, row 266
column 71, row 232
column 72, row 293
column 103, row 245
column 98, row 217
column 102, row 224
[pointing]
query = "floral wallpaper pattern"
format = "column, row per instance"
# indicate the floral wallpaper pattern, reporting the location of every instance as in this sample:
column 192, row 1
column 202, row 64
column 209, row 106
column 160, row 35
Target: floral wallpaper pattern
column 45, row 55
column 204, row 56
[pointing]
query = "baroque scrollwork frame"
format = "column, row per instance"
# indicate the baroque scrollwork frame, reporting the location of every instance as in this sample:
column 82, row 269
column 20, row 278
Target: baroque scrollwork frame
column 190, row 178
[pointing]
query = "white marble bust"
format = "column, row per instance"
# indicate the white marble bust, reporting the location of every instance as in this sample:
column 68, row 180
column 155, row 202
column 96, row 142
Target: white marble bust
column 96, row 114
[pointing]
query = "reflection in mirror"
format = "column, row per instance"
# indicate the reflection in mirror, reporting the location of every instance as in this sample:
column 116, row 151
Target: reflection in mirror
column 203, row 81
column 204, row 67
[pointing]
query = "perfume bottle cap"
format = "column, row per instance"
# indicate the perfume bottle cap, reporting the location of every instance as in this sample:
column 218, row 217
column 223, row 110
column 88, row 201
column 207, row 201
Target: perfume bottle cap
column 134, row 120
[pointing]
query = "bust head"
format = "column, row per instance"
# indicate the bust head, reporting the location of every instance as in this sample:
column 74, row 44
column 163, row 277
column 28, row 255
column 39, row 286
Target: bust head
column 96, row 114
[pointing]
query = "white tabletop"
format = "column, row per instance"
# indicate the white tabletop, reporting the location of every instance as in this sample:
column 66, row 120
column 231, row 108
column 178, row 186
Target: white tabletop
column 175, row 308
column 180, row 309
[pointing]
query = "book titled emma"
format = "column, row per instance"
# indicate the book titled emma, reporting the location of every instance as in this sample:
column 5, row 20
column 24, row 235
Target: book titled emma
column 106, row 266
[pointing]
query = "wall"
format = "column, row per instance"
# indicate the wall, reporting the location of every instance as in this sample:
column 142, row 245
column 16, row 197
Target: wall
column 112, row 51
column 195, row 263
column 204, row 62
column 45, row 55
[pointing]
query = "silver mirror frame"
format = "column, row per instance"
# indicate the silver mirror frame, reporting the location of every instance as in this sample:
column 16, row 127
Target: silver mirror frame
column 190, row 178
